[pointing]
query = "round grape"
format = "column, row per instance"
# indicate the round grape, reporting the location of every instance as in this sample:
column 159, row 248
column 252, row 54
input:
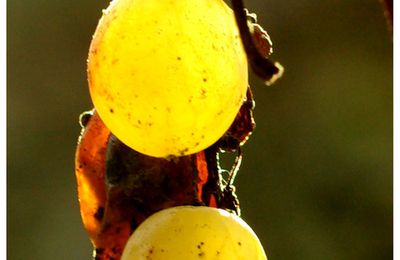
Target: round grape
column 188, row 232
column 167, row 77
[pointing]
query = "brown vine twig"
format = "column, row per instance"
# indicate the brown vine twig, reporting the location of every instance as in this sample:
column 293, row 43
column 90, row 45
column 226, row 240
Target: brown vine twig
column 266, row 69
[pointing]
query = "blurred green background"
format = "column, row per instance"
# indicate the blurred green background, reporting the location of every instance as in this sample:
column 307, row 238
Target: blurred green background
column 316, row 181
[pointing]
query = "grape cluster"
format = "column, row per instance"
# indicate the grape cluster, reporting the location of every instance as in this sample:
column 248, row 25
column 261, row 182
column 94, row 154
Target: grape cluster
column 169, row 83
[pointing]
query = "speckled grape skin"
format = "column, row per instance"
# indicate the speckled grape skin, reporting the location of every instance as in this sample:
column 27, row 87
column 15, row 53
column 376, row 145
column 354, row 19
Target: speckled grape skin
column 167, row 77
column 188, row 232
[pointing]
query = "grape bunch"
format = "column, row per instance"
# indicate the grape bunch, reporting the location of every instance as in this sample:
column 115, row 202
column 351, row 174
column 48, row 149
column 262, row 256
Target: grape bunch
column 169, row 84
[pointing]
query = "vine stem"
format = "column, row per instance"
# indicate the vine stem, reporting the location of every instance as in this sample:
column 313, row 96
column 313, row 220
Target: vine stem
column 266, row 69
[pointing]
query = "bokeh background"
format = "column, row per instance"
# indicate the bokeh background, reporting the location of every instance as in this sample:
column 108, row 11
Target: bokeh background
column 316, row 181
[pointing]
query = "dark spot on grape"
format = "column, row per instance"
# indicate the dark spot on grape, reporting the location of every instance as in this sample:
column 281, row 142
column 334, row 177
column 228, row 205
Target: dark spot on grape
column 202, row 136
column 204, row 79
column 182, row 152
column 239, row 243
column 203, row 93
column 201, row 254
column 150, row 124
column 220, row 112
column 196, row 144
column 162, row 250
column 218, row 252
column 168, row 109
column 99, row 213
column 111, row 110
column 200, row 245
column 178, row 58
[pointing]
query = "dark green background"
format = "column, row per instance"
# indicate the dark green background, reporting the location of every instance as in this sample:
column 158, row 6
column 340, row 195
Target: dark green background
column 316, row 181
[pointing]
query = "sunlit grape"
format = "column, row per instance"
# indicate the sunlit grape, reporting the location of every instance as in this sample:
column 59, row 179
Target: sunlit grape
column 167, row 77
column 188, row 232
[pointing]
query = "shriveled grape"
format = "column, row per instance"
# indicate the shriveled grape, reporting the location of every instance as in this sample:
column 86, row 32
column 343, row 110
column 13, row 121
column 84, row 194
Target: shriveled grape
column 167, row 77
column 188, row 232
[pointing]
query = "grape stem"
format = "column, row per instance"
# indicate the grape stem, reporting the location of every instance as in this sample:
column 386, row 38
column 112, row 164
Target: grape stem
column 235, row 168
column 266, row 69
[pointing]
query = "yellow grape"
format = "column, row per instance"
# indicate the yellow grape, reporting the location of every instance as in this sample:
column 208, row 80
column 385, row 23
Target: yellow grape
column 167, row 77
column 188, row 232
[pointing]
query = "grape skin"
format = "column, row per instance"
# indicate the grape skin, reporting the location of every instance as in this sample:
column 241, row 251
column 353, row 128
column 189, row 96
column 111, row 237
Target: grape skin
column 188, row 232
column 167, row 77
